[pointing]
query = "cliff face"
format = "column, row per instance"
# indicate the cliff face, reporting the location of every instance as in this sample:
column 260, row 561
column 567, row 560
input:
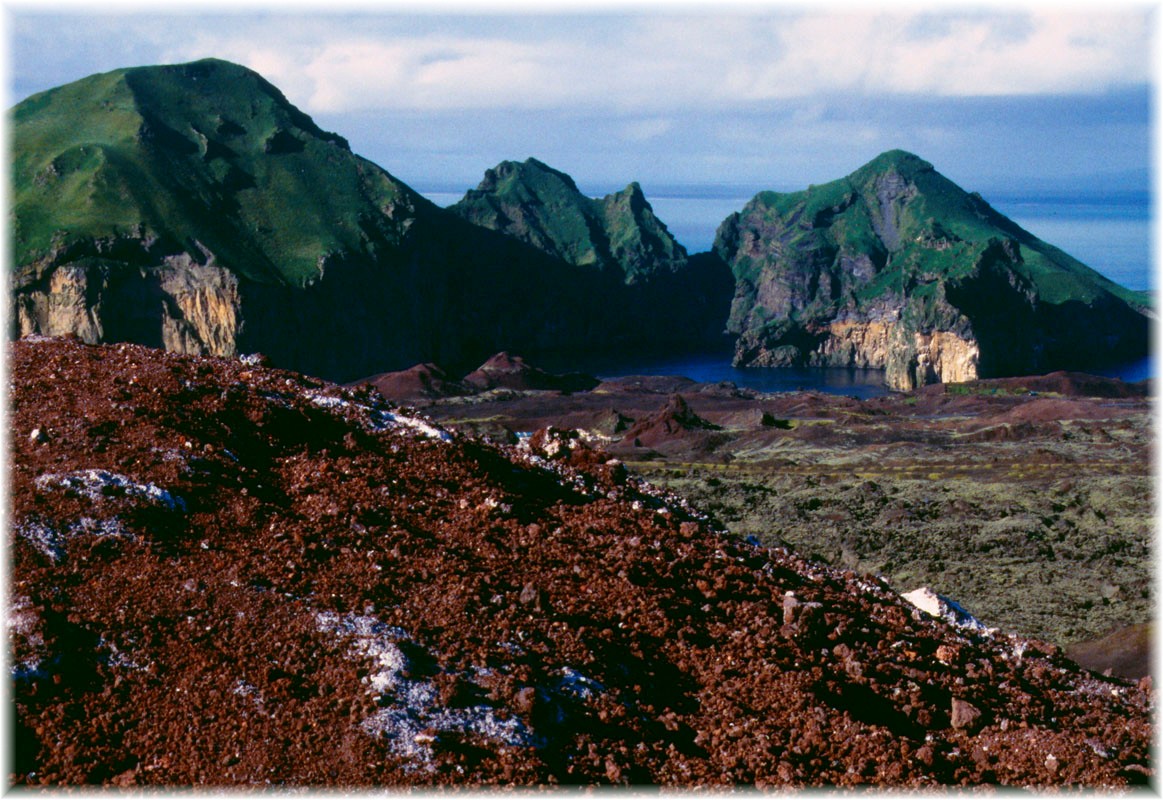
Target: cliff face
column 182, row 307
column 895, row 267
column 192, row 207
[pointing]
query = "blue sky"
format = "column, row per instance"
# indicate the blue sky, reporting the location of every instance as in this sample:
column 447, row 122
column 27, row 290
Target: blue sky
column 1004, row 99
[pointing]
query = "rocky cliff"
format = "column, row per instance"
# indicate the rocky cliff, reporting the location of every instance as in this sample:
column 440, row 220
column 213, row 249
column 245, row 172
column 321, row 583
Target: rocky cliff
column 895, row 267
column 192, row 207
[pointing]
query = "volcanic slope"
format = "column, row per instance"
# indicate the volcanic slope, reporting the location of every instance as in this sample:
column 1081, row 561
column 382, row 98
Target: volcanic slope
column 192, row 207
column 224, row 574
column 896, row 267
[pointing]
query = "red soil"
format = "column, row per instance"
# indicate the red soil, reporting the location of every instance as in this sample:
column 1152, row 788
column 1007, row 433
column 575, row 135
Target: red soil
column 231, row 575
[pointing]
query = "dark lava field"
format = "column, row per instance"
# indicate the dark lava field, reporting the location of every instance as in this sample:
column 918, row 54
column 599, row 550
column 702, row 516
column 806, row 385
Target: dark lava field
column 223, row 574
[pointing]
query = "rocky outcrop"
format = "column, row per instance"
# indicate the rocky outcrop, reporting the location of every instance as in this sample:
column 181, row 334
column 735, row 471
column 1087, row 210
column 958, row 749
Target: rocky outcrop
column 506, row 371
column 183, row 307
column 896, row 268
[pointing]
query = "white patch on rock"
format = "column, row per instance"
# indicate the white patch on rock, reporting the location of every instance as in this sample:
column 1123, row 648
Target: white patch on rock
column 941, row 607
column 23, row 625
column 97, row 484
column 382, row 420
column 51, row 541
column 410, row 718
column 577, row 684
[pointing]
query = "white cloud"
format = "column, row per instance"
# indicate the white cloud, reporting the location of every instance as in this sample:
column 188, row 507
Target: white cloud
column 643, row 130
column 651, row 62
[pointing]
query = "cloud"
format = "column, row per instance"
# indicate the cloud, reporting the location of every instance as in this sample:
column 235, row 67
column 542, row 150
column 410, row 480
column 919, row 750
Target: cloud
column 650, row 61
column 642, row 130
column 643, row 63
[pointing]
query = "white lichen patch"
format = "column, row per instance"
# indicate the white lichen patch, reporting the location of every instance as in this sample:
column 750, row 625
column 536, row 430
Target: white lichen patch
column 577, row 684
column 51, row 540
column 98, row 484
column 411, row 719
column 25, row 635
column 115, row 656
column 23, row 620
column 378, row 419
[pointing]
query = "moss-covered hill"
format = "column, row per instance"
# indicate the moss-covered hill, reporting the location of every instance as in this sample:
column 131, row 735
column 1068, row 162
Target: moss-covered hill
column 542, row 206
column 204, row 156
column 192, row 207
column 895, row 266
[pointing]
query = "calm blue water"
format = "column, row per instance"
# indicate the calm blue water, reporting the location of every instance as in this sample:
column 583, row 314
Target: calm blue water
column 716, row 367
column 1110, row 235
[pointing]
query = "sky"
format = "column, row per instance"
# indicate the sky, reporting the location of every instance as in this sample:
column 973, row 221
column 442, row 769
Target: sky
column 999, row 97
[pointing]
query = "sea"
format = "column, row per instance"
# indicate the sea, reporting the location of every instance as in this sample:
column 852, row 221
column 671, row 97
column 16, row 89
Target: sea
column 1109, row 233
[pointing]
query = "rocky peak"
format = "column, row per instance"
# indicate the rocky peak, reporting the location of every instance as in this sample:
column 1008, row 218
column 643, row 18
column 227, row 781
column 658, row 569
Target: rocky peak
column 534, row 175
column 967, row 292
column 541, row 206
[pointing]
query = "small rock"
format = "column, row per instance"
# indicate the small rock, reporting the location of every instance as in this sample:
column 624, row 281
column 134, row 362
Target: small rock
column 798, row 616
column 528, row 595
column 1052, row 764
column 524, row 699
column 791, row 606
column 964, row 715
column 38, row 436
column 947, row 654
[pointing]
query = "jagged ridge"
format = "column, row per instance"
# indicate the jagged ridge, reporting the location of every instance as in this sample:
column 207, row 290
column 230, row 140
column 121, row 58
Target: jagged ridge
column 543, row 206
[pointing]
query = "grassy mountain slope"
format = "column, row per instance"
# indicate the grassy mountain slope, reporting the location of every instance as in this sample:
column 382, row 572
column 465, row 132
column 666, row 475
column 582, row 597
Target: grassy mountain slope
column 207, row 153
column 542, row 206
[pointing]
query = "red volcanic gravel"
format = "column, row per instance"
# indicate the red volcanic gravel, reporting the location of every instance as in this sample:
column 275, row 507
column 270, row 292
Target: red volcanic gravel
column 226, row 574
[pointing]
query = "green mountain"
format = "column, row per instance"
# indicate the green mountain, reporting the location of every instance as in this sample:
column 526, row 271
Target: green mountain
column 152, row 156
column 192, row 207
column 896, row 267
column 543, row 207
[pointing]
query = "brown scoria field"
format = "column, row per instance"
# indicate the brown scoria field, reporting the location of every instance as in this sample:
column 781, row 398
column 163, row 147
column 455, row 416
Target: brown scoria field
column 1029, row 500
column 223, row 574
